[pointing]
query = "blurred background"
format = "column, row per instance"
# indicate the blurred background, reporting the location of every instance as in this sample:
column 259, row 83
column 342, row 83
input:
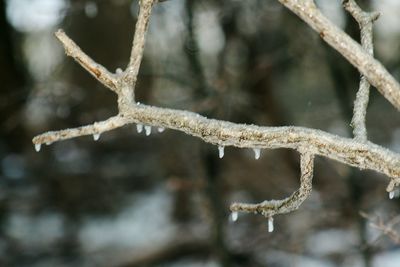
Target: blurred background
column 163, row 200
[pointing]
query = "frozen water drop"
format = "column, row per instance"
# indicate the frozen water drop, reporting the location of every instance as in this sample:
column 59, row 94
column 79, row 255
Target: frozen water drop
column 221, row 151
column 38, row 147
column 96, row 137
column 138, row 103
column 119, row 71
column 147, row 130
column 391, row 194
column 234, row 216
column 270, row 225
column 49, row 143
column 139, row 128
column 257, row 153
column 161, row 129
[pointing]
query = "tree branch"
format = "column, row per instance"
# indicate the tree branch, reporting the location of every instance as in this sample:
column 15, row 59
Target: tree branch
column 365, row 21
column 269, row 208
column 356, row 152
column 373, row 70
column 97, row 70
column 139, row 40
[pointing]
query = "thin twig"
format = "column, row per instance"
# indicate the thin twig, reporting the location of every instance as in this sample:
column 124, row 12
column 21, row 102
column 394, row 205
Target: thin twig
column 365, row 21
column 97, row 70
column 375, row 72
column 139, row 40
column 269, row 208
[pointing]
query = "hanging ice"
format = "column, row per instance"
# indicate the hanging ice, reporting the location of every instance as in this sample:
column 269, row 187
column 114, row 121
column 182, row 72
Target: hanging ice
column 257, row 153
column 139, row 128
column 96, row 137
column 119, row 71
column 147, row 129
column 221, row 151
column 37, row 147
column 270, row 225
column 234, row 216
column 161, row 129
column 395, row 193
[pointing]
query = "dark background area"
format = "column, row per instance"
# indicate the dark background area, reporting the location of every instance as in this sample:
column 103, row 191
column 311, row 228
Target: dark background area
column 163, row 200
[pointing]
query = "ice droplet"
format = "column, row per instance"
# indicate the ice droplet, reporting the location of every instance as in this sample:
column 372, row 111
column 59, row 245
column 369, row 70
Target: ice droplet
column 392, row 194
column 119, row 71
column 139, row 128
column 234, row 216
column 161, row 129
column 138, row 103
column 96, row 137
column 49, row 143
column 221, row 151
column 257, row 153
column 270, row 225
column 147, row 130
column 38, row 147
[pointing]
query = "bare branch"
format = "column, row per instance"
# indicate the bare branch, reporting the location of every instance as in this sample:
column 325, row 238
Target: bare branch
column 386, row 228
column 96, row 128
column 356, row 152
column 223, row 133
column 97, row 70
column 131, row 73
column 269, row 208
column 365, row 21
column 375, row 72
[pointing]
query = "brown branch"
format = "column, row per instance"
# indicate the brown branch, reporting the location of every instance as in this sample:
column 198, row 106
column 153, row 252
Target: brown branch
column 139, row 40
column 269, row 208
column 97, row 70
column 365, row 21
column 95, row 129
column 373, row 70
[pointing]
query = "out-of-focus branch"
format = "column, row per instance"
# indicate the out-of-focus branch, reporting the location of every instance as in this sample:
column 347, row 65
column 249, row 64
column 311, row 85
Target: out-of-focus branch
column 386, row 228
column 365, row 21
column 373, row 70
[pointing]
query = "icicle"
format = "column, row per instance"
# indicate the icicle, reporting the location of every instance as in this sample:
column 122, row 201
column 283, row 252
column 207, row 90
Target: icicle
column 394, row 194
column 161, row 129
column 119, row 71
column 221, row 151
column 147, row 130
column 38, row 147
column 270, row 225
column 96, row 137
column 257, row 153
column 139, row 128
column 234, row 216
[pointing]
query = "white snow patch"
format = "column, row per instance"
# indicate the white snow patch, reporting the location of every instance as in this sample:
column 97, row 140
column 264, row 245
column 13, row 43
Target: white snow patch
column 387, row 259
column 145, row 222
column 330, row 242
